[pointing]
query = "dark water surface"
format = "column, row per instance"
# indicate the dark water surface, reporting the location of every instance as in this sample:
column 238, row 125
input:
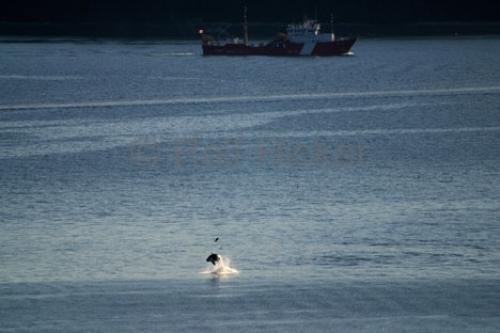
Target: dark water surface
column 357, row 193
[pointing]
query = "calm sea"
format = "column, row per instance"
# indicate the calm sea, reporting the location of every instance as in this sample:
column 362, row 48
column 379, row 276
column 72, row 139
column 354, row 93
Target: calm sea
column 354, row 194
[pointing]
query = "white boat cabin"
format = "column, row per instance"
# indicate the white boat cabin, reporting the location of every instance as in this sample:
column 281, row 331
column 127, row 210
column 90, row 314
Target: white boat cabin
column 309, row 31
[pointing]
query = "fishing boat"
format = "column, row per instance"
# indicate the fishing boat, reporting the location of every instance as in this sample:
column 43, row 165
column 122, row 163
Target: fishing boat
column 304, row 39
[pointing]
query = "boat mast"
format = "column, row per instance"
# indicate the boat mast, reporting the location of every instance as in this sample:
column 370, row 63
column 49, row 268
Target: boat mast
column 245, row 25
column 332, row 35
column 331, row 23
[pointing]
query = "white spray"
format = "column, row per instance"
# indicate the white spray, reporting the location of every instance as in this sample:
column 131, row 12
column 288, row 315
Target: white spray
column 221, row 267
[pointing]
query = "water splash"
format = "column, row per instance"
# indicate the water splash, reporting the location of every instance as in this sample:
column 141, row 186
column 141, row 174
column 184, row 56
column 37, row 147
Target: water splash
column 221, row 268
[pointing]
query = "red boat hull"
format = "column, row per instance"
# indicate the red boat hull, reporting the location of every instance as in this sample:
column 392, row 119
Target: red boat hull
column 338, row 47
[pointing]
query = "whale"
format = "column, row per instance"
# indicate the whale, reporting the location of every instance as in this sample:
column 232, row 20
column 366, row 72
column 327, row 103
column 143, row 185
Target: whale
column 214, row 258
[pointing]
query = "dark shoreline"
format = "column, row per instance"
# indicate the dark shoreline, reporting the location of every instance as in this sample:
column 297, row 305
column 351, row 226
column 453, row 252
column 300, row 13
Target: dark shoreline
column 187, row 31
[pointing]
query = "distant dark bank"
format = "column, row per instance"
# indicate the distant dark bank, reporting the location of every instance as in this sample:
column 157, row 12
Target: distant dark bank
column 168, row 19
column 262, row 30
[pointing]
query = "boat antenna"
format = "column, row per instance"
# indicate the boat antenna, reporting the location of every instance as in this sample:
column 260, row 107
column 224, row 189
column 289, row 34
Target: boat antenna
column 245, row 25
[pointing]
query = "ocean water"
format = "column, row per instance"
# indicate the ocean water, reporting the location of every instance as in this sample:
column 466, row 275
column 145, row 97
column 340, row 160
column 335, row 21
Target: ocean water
column 354, row 194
